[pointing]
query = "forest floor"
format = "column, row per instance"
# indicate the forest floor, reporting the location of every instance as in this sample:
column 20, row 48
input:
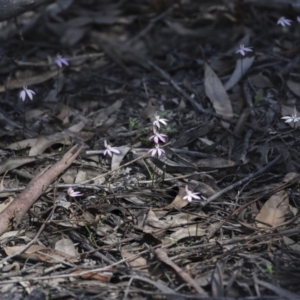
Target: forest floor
column 213, row 213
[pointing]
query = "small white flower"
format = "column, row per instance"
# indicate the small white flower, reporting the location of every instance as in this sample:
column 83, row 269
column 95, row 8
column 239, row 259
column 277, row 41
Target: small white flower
column 157, row 150
column 284, row 22
column 73, row 193
column 243, row 50
column 190, row 195
column 60, row 61
column 109, row 149
column 26, row 92
column 293, row 118
column 159, row 120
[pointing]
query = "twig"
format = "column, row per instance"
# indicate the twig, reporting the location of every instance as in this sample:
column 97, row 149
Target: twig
column 30, row 243
column 18, row 208
column 238, row 183
column 246, row 145
column 150, row 25
column 110, row 172
column 194, row 103
column 163, row 256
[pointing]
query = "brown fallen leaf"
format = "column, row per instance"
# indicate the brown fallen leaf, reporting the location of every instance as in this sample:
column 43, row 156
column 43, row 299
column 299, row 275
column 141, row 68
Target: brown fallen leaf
column 190, row 231
column 15, row 162
column 18, row 83
column 94, row 276
column 153, row 224
column 273, row 212
column 41, row 253
column 215, row 162
column 242, row 66
column 117, row 159
column 150, row 110
column 138, row 262
column 66, row 246
column 216, row 93
column 178, row 202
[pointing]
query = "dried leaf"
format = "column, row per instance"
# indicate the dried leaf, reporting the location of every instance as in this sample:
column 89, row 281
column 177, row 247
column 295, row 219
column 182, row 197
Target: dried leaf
column 41, row 253
column 215, row 162
column 5, row 203
column 151, row 109
column 217, row 280
column 216, row 92
column 292, row 244
column 22, row 144
column 261, row 81
column 153, row 224
column 137, row 262
column 242, row 66
column 66, row 246
column 15, row 162
column 103, row 114
column 273, row 211
column 117, row 159
column 18, row 83
column 64, row 114
column 106, row 277
column 294, row 87
column 80, row 176
column 190, row 231
column 178, row 202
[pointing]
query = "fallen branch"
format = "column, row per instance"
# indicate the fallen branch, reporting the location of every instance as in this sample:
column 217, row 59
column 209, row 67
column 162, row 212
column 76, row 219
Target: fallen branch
column 15, row 211
column 163, row 256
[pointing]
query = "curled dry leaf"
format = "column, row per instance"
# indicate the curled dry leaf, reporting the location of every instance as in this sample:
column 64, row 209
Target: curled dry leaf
column 178, row 202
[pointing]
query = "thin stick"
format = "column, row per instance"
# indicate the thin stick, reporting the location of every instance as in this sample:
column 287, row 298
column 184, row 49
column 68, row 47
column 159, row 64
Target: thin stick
column 240, row 182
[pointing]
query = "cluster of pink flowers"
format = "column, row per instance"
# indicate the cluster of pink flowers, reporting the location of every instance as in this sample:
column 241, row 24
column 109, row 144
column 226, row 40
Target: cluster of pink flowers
column 157, row 137
column 73, row 193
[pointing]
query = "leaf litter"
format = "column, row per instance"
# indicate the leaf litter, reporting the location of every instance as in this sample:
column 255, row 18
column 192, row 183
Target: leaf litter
column 127, row 231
